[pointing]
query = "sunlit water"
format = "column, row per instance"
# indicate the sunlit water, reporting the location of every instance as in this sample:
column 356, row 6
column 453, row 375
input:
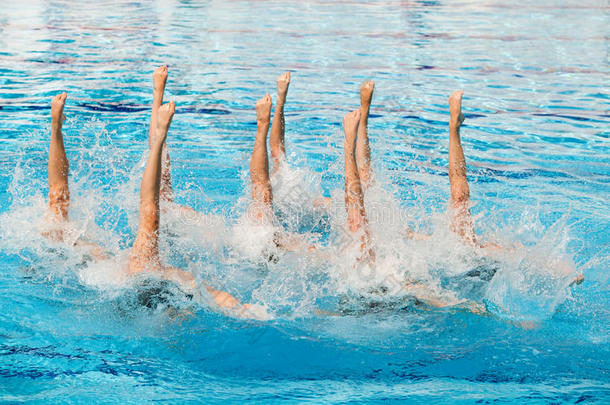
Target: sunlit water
column 536, row 138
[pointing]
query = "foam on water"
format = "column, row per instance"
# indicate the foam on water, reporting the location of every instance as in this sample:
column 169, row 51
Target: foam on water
column 532, row 276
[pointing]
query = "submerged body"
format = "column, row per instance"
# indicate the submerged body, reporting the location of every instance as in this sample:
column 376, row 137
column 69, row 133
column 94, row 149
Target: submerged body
column 156, row 191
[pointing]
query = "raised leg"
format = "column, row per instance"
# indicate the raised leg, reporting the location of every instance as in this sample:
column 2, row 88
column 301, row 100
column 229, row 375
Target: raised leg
column 262, row 197
column 354, row 198
column 363, row 150
column 276, row 140
column 59, row 193
column 461, row 221
column 145, row 253
column 159, row 79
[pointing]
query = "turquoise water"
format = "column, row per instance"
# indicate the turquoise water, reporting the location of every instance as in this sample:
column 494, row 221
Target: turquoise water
column 536, row 139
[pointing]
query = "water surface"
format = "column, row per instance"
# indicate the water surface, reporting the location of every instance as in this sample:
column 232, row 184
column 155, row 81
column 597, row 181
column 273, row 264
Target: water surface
column 536, row 101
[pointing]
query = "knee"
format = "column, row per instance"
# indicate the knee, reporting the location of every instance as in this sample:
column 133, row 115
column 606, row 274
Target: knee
column 149, row 211
column 354, row 223
column 59, row 201
column 460, row 198
column 262, row 194
column 59, row 194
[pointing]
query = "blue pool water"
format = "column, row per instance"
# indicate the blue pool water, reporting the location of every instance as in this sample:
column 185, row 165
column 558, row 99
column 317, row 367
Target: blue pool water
column 536, row 137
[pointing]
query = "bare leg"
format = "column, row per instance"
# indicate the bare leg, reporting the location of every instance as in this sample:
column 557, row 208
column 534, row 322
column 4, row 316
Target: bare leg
column 59, row 193
column 223, row 299
column 145, row 253
column 159, row 80
column 461, row 222
column 354, row 198
column 363, row 151
column 276, row 140
column 262, row 196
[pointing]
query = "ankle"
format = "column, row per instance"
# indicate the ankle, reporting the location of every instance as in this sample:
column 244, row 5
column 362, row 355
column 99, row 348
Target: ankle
column 350, row 145
column 261, row 135
column 262, row 123
column 157, row 99
column 160, row 134
column 156, row 148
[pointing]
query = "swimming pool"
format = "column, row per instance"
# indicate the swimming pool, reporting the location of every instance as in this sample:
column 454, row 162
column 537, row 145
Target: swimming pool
column 536, row 140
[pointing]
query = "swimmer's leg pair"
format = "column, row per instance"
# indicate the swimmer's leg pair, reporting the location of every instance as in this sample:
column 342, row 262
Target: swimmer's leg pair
column 145, row 253
column 354, row 196
column 166, row 193
column 262, row 194
column 363, row 150
column 358, row 170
